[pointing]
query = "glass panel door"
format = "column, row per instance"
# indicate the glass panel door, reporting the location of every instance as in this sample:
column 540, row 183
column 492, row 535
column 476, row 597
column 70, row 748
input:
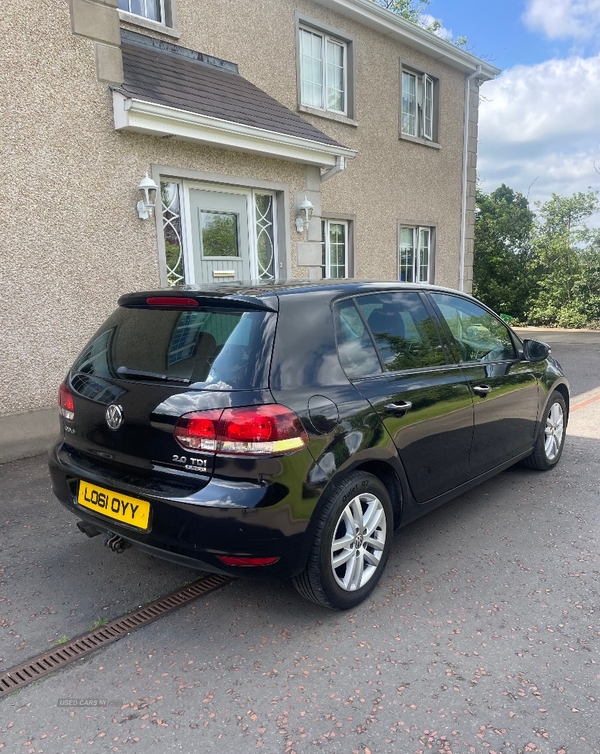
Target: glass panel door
column 220, row 243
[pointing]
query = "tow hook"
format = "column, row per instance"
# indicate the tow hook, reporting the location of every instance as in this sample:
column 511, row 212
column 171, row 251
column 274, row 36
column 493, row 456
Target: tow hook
column 115, row 542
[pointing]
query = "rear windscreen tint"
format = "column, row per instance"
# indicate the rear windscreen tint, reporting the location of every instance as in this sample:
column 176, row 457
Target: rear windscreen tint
column 218, row 349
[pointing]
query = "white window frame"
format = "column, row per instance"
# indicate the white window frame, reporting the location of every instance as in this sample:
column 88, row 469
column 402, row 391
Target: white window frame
column 325, row 40
column 425, row 110
column 145, row 15
column 419, row 247
column 326, row 224
column 428, row 103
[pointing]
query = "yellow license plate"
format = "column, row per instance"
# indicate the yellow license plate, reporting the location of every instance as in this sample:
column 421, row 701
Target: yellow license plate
column 129, row 510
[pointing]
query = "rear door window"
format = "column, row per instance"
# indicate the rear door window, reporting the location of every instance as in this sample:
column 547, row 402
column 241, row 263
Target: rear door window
column 216, row 349
column 393, row 329
column 357, row 353
column 404, row 333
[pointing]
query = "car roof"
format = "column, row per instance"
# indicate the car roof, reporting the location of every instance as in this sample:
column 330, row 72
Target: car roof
column 264, row 294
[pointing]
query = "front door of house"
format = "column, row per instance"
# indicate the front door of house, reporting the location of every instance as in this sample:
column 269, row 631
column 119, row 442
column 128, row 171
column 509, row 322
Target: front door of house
column 220, row 236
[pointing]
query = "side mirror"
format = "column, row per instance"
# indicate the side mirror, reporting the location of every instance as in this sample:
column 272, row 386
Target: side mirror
column 535, row 350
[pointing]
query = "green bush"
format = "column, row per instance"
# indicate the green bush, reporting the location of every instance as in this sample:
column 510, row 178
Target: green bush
column 570, row 318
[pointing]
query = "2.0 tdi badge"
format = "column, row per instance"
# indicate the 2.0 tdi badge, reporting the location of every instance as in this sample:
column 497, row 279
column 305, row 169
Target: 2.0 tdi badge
column 114, row 416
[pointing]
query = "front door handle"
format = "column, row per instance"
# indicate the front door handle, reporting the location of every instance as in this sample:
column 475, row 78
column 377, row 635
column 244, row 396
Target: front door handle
column 399, row 409
column 482, row 390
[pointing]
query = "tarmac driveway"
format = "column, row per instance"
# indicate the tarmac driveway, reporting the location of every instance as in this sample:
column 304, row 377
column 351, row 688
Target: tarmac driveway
column 482, row 637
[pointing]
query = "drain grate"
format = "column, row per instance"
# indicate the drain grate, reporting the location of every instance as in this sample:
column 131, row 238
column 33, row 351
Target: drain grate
column 56, row 658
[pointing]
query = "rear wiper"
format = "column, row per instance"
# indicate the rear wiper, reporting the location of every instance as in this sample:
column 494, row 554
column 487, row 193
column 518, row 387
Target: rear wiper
column 126, row 372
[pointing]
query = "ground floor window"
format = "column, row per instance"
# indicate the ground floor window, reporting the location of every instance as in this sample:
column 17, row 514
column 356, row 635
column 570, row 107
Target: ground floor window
column 415, row 254
column 335, row 245
column 218, row 233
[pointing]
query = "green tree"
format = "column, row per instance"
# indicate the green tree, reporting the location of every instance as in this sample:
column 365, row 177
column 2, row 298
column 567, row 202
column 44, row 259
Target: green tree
column 502, row 267
column 411, row 10
column 567, row 263
column 415, row 11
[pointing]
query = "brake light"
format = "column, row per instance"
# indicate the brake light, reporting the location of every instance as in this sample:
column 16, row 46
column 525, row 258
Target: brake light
column 172, row 302
column 253, row 430
column 65, row 403
column 232, row 560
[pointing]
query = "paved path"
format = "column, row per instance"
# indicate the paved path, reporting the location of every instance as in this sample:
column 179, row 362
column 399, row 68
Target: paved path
column 483, row 636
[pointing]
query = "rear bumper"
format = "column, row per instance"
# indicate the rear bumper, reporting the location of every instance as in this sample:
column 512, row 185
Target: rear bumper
column 193, row 525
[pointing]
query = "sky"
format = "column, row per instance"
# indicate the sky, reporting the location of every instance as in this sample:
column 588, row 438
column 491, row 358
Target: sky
column 539, row 121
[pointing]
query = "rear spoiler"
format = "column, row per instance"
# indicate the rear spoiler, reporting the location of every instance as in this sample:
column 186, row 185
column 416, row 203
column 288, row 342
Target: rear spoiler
column 183, row 298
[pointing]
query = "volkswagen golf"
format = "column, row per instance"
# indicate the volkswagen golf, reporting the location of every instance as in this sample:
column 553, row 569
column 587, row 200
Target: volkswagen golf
column 286, row 430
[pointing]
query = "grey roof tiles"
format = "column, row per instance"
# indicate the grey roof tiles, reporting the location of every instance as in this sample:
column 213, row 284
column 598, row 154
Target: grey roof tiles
column 166, row 74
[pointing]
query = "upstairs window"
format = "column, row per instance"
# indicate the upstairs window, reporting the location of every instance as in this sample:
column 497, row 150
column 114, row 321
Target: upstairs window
column 153, row 10
column 323, row 71
column 418, row 116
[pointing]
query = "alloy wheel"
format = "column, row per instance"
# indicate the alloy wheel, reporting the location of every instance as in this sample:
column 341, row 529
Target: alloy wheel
column 555, row 427
column 358, row 542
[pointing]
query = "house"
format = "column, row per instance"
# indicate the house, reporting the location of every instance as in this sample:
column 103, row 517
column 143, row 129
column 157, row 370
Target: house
column 300, row 138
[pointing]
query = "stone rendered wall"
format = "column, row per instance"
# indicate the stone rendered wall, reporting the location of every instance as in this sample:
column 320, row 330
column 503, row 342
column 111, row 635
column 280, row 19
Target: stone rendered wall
column 71, row 240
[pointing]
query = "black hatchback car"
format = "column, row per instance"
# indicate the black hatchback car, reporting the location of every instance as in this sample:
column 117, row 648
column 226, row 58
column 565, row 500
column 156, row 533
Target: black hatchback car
column 286, row 430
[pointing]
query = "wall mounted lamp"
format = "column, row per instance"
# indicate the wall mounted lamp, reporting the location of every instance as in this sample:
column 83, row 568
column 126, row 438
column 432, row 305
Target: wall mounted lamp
column 304, row 215
column 149, row 189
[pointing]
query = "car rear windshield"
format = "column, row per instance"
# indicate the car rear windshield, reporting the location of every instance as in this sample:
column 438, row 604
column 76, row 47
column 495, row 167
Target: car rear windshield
column 211, row 349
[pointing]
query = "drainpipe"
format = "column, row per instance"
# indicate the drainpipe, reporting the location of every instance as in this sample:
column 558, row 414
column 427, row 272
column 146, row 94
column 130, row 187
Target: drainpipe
column 340, row 164
column 463, row 215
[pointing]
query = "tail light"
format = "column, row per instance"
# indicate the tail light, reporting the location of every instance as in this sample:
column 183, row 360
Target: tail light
column 243, row 561
column 253, row 430
column 65, row 403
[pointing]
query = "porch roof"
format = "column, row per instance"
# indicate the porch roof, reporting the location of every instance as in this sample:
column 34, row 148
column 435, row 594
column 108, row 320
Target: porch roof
column 172, row 91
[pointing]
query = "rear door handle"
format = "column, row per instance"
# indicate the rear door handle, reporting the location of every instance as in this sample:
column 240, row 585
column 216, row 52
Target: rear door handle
column 399, row 409
column 482, row 390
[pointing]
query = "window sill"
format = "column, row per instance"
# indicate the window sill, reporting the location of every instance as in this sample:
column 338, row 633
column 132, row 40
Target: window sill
column 146, row 23
column 328, row 115
column 419, row 140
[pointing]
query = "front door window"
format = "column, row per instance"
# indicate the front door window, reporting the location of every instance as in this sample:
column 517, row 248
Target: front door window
column 219, row 234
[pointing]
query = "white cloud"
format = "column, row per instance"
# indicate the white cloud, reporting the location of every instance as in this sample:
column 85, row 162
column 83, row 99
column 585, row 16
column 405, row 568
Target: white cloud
column 560, row 19
column 542, row 123
column 426, row 20
column 554, row 101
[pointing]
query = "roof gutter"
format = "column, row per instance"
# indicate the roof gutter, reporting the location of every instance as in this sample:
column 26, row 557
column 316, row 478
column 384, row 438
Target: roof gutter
column 465, row 171
column 390, row 24
column 141, row 116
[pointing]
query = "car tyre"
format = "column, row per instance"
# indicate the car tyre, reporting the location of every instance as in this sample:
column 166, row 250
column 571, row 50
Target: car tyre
column 551, row 436
column 351, row 544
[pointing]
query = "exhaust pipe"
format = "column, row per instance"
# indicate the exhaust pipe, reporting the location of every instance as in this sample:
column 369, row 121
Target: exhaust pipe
column 88, row 529
column 115, row 543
